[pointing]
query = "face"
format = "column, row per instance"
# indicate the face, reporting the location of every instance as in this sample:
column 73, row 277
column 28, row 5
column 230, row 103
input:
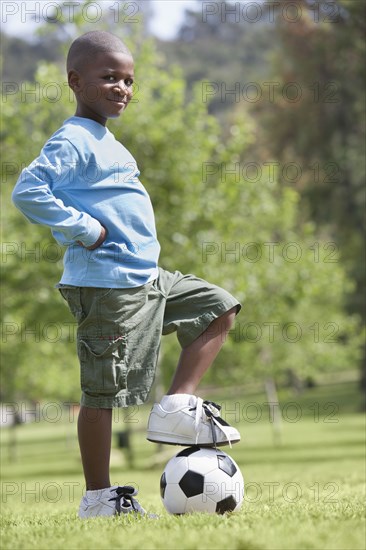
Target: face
column 103, row 88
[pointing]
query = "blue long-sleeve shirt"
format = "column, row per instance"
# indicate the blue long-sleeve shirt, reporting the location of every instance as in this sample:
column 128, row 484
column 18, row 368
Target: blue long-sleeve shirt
column 83, row 179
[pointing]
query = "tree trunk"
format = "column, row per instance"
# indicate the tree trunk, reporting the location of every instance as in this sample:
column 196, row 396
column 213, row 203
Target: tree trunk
column 274, row 410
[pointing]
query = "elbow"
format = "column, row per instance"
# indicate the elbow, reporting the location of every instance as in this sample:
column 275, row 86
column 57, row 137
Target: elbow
column 17, row 198
column 21, row 199
column 20, row 194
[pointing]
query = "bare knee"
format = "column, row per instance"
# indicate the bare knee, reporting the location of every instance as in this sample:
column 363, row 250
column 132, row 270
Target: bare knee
column 225, row 320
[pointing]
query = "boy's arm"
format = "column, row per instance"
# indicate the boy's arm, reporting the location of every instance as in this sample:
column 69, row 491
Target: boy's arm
column 102, row 238
column 33, row 196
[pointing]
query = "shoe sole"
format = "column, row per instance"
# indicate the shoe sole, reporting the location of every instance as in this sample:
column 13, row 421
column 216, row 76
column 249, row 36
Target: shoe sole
column 160, row 438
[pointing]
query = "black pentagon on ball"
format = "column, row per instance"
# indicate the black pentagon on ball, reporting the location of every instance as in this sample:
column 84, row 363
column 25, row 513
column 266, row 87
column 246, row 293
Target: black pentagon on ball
column 192, row 484
column 226, row 465
column 188, row 451
column 162, row 485
column 228, row 504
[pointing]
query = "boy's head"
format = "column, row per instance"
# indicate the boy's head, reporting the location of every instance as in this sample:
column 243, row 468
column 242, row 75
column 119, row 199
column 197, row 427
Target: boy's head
column 100, row 72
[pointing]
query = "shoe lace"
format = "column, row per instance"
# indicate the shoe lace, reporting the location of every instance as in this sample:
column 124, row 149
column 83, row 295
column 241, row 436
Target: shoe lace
column 210, row 411
column 125, row 502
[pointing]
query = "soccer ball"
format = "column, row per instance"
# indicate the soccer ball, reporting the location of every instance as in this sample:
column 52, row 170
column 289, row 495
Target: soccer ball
column 202, row 480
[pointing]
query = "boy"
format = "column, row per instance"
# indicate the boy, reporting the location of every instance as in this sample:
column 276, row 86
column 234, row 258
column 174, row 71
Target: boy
column 85, row 187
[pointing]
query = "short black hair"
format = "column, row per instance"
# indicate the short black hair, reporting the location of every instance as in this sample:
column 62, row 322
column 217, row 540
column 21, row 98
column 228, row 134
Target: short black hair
column 88, row 45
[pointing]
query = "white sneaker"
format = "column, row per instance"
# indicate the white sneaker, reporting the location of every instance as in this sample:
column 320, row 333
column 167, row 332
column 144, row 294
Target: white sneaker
column 110, row 502
column 197, row 423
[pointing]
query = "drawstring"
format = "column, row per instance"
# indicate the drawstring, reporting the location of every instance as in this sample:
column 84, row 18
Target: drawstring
column 211, row 411
column 126, row 494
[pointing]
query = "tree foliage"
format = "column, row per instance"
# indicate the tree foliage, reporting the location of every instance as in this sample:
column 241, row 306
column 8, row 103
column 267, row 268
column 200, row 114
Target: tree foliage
column 325, row 128
column 236, row 230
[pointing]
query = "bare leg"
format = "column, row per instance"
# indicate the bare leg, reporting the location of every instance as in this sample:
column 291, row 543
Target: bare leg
column 95, row 434
column 196, row 358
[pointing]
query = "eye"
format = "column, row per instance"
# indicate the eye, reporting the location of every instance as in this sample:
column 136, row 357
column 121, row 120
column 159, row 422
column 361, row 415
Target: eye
column 128, row 82
column 110, row 78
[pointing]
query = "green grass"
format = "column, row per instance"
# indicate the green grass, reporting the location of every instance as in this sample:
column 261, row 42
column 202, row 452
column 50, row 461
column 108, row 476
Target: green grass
column 306, row 493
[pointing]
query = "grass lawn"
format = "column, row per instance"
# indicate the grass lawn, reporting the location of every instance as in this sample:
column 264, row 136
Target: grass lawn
column 305, row 493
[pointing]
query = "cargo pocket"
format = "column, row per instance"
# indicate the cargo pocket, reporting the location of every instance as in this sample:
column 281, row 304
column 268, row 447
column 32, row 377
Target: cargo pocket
column 103, row 366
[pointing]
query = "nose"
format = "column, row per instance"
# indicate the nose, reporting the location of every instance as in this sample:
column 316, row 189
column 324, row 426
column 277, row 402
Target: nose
column 122, row 88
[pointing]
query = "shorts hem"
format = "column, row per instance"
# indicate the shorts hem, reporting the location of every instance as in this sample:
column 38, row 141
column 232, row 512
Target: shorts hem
column 104, row 402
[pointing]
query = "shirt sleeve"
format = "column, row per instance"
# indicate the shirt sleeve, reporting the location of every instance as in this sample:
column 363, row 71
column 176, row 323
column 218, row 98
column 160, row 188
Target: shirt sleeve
column 34, row 195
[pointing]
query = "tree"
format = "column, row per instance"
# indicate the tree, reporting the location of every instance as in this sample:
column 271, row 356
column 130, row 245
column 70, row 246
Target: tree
column 201, row 208
column 222, row 51
column 306, row 64
column 323, row 131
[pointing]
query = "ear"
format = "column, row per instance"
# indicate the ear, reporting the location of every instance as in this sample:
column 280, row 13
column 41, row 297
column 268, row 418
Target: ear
column 74, row 80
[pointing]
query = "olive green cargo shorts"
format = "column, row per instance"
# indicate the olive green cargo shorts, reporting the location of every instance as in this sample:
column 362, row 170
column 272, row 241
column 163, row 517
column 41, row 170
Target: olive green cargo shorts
column 119, row 331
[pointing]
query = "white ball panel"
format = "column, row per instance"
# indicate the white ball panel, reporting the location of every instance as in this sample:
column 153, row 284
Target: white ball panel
column 202, row 463
column 201, row 503
column 175, row 469
column 174, row 500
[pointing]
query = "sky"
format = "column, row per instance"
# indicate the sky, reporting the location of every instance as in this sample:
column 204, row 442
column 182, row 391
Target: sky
column 16, row 15
column 168, row 16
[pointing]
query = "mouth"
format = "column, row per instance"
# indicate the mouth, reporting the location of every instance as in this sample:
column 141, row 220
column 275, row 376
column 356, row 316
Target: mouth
column 119, row 101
